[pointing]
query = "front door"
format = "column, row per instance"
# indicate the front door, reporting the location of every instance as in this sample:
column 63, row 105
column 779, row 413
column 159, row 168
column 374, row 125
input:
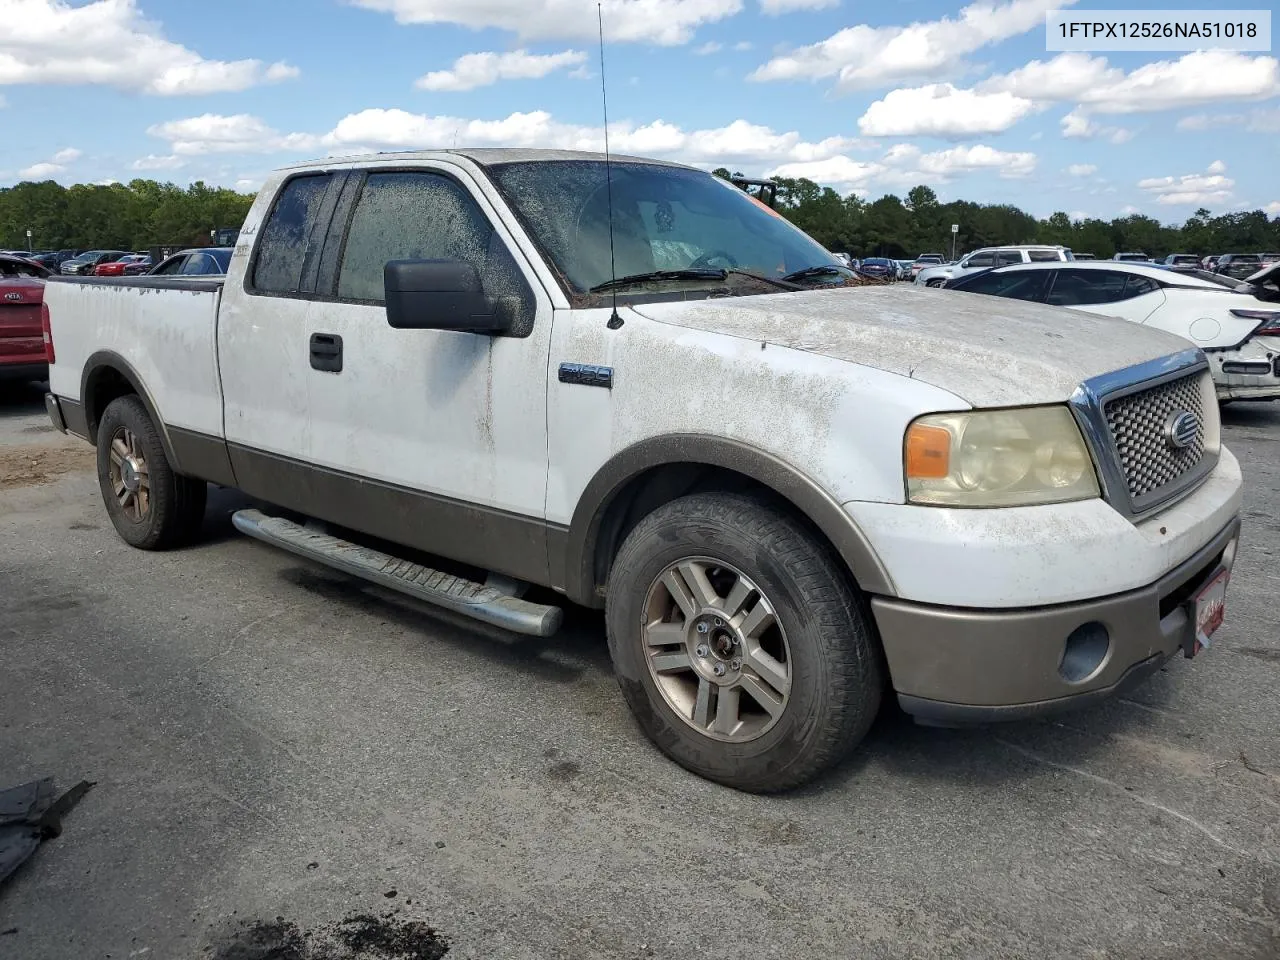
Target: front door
column 433, row 438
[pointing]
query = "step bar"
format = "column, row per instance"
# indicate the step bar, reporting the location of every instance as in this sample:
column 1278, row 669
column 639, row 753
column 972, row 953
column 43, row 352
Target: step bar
column 494, row 602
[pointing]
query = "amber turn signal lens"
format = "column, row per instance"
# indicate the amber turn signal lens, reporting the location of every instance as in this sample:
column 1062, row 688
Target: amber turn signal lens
column 928, row 452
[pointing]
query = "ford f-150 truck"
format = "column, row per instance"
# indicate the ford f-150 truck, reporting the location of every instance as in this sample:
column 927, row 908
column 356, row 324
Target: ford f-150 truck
column 637, row 386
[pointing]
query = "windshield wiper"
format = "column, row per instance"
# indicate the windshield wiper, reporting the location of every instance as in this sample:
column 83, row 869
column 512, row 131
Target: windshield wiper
column 703, row 273
column 821, row 270
column 782, row 283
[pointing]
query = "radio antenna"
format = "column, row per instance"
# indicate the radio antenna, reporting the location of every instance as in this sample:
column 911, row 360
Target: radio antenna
column 615, row 321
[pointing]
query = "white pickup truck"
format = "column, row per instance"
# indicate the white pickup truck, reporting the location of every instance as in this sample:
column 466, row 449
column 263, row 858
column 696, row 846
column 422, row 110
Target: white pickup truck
column 639, row 387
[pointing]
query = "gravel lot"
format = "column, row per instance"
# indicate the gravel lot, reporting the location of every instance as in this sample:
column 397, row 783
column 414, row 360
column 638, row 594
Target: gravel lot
column 273, row 740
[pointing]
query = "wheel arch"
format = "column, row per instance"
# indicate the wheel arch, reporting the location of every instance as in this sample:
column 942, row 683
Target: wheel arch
column 107, row 376
column 657, row 470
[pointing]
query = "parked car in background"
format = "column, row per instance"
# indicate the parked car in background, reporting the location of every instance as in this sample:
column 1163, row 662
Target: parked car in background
column 879, row 267
column 1238, row 266
column 196, row 262
column 1269, row 257
column 1084, row 256
column 987, row 257
column 1208, row 263
column 1237, row 325
column 1135, row 257
column 904, row 269
column 86, row 263
column 130, row 265
column 844, row 258
column 22, row 346
column 981, row 543
column 926, row 260
column 1182, row 261
column 53, row 259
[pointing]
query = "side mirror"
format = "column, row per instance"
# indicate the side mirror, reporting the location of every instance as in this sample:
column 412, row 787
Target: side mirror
column 437, row 295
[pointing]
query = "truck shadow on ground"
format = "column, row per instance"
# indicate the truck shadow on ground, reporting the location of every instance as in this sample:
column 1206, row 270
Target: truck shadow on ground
column 21, row 398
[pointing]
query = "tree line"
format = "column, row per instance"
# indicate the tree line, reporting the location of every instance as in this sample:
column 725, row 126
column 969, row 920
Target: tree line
column 117, row 216
column 904, row 228
column 145, row 213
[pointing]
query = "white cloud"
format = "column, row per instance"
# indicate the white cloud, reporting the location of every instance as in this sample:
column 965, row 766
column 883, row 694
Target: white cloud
column 862, row 56
column 54, row 165
column 108, row 182
column 239, row 133
column 110, row 42
column 1193, row 189
column 942, row 110
column 1129, row 209
column 1273, row 208
column 1081, row 169
column 710, row 47
column 905, row 165
column 1258, row 120
column 1079, row 125
column 40, row 171
column 775, row 7
column 474, row 70
column 667, row 22
column 742, row 46
column 1206, row 76
column 155, row 162
column 738, row 142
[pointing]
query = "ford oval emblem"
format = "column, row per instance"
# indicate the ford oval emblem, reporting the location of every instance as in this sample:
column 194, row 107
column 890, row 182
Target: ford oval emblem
column 1181, row 429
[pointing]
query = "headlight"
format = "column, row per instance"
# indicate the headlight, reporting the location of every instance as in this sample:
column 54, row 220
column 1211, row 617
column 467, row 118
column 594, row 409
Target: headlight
column 998, row 458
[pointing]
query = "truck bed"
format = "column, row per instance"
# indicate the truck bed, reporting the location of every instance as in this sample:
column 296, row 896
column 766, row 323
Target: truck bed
column 134, row 318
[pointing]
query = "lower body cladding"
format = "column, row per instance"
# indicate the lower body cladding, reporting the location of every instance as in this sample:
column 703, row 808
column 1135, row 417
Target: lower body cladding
column 953, row 666
column 1250, row 371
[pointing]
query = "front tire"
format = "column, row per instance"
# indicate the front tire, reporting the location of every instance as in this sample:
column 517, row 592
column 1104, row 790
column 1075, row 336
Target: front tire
column 151, row 507
column 740, row 644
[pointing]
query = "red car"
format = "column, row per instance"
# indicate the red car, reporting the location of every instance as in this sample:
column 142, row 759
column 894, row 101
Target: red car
column 135, row 264
column 24, row 324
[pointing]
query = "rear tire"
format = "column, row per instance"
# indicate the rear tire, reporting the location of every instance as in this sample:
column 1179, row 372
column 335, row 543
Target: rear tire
column 151, row 507
column 784, row 625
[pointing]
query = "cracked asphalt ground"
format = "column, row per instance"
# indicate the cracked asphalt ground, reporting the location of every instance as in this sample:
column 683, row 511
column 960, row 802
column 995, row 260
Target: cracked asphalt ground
column 271, row 739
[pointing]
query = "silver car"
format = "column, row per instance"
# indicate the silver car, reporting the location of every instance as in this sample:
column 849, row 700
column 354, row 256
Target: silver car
column 987, row 257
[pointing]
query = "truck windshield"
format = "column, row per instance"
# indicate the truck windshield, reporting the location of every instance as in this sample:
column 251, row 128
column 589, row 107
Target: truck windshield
column 664, row 219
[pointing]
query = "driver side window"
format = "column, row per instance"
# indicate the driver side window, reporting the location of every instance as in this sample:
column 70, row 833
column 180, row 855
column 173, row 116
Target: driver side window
column 979, row 260
column 427, row 216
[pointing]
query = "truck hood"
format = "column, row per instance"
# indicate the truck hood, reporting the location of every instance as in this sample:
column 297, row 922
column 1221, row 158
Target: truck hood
column 990, row 351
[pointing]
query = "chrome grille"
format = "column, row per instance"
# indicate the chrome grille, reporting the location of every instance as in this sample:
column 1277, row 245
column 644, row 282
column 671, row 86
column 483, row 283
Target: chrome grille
column 1139, row 425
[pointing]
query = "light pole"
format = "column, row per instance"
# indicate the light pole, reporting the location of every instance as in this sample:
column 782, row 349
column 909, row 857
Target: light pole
column 29, row 247
column 213, row 237
column 955, row 228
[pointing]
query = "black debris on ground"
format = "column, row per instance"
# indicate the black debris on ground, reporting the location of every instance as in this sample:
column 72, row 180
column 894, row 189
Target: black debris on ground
column 358, row 936
column 29, row 815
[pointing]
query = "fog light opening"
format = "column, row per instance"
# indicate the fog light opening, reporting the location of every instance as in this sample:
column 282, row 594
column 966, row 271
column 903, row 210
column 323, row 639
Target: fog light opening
column 1084, row 652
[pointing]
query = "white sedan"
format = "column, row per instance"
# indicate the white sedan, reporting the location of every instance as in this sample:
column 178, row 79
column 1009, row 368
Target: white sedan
column 1236, row 324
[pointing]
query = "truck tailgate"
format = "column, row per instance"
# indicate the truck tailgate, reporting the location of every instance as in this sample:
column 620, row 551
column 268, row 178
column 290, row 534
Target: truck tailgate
column 164, row 330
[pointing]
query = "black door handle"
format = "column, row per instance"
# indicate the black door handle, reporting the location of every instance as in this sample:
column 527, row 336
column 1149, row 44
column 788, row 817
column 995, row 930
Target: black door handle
column 326, row 352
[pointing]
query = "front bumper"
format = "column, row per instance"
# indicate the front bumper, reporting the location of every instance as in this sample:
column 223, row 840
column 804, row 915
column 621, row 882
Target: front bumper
column 952, row 665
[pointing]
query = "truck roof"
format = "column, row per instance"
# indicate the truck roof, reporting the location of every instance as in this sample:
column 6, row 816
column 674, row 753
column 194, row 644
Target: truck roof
column 484, row 156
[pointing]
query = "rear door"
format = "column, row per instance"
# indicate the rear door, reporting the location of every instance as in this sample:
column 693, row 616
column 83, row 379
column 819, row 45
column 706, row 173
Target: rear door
column 1113, row 293
column 264, row 324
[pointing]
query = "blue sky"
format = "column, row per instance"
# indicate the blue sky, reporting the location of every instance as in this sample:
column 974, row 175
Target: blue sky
column 871, row 98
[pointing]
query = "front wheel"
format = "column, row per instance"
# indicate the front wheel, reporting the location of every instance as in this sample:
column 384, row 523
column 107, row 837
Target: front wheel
column 740, row 644
column 151, row 507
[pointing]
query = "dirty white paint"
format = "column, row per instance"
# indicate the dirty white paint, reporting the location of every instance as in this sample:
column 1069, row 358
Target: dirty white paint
column 838, row 423
column 1029, row 556
column 826, row 381
column 989, row 350
column 166, row 335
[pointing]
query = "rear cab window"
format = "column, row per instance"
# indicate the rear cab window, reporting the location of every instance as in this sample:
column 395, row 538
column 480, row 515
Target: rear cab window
column 286, row 235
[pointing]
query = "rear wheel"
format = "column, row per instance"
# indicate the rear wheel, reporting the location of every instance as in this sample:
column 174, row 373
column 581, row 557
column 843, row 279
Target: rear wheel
column 739, row 643
column 151, row 507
